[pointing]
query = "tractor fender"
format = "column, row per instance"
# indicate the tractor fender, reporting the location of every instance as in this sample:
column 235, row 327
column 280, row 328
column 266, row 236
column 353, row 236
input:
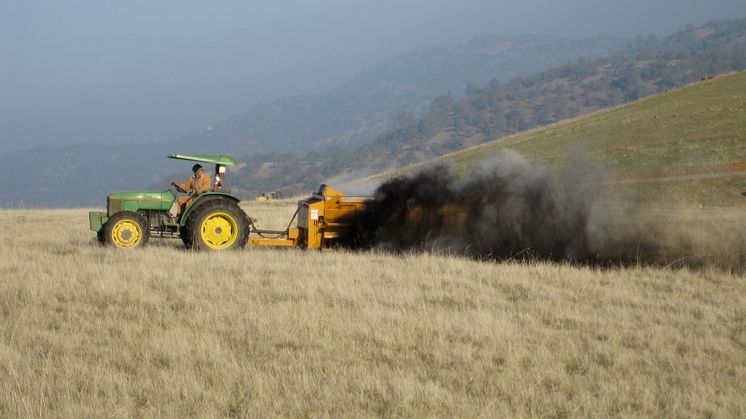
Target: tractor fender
column 205, row 197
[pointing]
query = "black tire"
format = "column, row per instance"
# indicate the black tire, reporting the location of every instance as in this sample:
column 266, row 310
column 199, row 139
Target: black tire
column 217, row 224
column 186, row 238
column 125, row 230
column 101, row 235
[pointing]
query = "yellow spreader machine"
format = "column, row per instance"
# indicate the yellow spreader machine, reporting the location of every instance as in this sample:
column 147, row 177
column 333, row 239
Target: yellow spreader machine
column 323, row 219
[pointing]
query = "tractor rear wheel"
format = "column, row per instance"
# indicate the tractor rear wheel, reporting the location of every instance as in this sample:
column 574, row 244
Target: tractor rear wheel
column 125, row 230
column 217, row 224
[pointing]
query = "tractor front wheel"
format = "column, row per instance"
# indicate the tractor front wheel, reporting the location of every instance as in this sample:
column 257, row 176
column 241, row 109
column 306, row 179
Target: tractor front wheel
column 125, row 230
column 217, row 225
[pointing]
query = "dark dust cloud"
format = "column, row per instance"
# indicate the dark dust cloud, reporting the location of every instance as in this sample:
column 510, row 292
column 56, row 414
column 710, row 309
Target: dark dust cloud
column 510, row 209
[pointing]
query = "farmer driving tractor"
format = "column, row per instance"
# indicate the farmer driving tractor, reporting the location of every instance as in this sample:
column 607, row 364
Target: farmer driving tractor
column 197, row 184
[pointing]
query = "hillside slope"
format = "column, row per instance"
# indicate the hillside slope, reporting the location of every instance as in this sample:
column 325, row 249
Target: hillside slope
column 500, row 109
column 559, row 93
column 687, row 144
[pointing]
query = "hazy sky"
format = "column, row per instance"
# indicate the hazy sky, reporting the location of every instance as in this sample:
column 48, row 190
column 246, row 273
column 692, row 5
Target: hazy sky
column 73, row 71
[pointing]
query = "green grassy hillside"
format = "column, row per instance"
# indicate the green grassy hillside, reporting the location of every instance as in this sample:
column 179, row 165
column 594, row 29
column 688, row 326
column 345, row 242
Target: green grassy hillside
column 684, row 145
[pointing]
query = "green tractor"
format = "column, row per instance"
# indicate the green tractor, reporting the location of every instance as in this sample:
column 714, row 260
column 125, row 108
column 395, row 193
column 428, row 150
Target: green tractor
column 208, row 221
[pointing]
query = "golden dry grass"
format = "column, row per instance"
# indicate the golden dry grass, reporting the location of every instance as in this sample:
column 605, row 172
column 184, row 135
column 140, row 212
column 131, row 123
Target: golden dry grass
column 87, row 331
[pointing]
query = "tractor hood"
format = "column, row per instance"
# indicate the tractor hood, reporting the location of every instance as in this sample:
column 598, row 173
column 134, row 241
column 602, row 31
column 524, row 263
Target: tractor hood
column 140, row 200
column 143, row 195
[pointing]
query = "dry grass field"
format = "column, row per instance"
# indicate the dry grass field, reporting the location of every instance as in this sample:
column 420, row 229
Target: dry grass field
column 88, row 331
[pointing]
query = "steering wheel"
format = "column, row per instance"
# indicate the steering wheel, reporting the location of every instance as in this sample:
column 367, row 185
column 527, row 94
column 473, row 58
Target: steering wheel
column 178, row 188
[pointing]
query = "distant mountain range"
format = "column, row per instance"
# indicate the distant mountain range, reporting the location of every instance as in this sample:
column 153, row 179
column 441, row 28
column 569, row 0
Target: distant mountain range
column 349, row 116
column 415, row 107
column 499, row 109
column 503, row 108
column 357, row 111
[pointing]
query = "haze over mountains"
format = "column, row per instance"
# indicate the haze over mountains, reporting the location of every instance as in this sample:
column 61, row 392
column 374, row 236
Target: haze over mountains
column 358, row 110
column 352, row 114
column 500, row 109
column 415, row 107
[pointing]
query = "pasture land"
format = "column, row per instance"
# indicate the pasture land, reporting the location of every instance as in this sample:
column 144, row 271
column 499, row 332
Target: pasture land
column 88, row 331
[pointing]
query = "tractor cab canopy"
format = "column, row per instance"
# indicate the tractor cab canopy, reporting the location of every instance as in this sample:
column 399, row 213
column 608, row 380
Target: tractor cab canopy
column 217, row 159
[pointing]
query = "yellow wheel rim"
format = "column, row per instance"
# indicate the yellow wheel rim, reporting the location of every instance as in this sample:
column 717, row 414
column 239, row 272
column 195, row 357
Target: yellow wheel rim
column 219, row 230
column 126, row 233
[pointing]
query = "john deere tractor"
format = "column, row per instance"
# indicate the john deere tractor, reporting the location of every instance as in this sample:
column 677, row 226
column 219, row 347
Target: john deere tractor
column 210, row 220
